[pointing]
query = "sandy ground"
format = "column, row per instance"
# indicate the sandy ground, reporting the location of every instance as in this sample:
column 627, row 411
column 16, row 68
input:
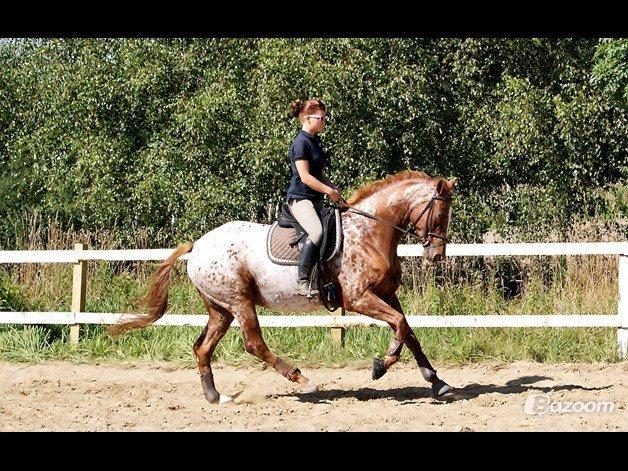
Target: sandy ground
column 66, row 396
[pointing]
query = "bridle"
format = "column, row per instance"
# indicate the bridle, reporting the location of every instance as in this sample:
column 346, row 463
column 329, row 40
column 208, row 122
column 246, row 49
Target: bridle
column 427, row 233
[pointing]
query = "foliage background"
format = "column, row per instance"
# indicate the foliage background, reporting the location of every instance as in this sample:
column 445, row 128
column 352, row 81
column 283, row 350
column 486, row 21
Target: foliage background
column 173, row 137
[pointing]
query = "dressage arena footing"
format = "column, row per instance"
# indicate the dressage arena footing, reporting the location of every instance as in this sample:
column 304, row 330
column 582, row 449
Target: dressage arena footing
column 488, row 396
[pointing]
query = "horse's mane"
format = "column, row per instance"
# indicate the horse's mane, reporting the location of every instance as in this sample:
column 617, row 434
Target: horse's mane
column 370, row 188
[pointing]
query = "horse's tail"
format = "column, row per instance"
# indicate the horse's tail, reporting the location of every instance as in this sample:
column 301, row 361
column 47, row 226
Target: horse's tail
column 156, row 300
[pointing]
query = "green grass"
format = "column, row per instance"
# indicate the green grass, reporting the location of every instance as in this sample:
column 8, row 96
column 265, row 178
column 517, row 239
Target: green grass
column 567, row 285
column 312, row 347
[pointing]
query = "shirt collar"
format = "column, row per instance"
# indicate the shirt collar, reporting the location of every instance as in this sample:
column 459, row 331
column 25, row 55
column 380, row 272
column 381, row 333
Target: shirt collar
column 307, row 134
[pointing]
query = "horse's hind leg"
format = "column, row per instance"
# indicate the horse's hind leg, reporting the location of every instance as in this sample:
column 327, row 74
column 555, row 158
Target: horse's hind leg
column 255, row 345
column 219, row 321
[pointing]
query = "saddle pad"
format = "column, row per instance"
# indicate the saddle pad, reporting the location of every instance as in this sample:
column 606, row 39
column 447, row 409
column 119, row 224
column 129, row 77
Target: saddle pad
column 277, row 245
column 278, row 239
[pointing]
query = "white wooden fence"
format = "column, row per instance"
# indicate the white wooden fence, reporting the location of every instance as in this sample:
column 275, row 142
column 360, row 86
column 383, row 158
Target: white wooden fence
column 338, row 321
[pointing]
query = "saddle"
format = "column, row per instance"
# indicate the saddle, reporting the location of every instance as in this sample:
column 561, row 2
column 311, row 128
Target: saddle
column 286, row 237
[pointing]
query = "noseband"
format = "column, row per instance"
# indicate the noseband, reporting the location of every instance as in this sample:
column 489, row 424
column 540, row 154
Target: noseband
column 429, row 207
column 427, row 233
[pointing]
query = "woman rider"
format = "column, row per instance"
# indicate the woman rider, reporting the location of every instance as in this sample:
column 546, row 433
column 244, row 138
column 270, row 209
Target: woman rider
column 308, row 185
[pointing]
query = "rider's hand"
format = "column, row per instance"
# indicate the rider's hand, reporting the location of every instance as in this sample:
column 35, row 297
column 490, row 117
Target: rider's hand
column 335, row 196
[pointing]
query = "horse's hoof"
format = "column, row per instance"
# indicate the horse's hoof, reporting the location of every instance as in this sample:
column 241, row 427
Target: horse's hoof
column 225, row 399
column 309, row 387
column 440, row 387
column 218, row 399
column 379, row 369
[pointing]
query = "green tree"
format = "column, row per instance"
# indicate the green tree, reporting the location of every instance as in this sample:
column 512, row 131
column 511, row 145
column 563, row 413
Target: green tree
column 177, row 136
column 610, row 69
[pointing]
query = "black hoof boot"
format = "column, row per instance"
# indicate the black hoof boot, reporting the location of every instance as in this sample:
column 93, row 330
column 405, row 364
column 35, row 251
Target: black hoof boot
column 440, row 387
column 379, row 369
column 212, row 396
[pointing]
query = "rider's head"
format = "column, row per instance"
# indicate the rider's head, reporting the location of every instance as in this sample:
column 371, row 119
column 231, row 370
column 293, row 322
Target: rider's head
column 312, row 114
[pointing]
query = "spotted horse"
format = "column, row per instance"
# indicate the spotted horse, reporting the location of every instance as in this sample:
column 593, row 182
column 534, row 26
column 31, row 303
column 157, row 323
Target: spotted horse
column 231, row 270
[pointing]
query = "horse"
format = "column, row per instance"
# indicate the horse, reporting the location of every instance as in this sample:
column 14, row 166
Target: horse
column 233, row 274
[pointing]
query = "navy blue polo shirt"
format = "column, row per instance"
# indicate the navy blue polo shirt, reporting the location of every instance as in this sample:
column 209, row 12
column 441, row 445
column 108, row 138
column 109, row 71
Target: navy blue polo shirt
column 306, row 147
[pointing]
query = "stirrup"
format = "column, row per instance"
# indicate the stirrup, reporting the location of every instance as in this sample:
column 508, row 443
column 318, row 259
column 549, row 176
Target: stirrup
column 309, row 293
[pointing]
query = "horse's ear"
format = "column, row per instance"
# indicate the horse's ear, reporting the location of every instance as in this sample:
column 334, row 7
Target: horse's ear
column 439, row 186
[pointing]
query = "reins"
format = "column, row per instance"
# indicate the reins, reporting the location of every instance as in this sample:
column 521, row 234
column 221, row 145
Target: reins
column 412, row 232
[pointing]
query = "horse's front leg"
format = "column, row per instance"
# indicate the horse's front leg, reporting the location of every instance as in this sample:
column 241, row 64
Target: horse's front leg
column 439, row 387
column 370, row 304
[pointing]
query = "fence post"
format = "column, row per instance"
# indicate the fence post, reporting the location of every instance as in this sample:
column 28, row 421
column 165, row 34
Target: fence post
column 79, row 285
column 622, row 306
column 338, row 333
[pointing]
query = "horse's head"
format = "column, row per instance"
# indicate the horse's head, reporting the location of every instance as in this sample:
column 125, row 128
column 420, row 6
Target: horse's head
column 430, row 219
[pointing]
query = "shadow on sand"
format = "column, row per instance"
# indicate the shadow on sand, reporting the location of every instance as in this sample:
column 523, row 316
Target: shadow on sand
column 415, row 394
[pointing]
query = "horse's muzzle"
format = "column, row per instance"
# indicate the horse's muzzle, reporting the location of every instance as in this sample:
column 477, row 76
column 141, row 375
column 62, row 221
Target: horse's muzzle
column 434, row 254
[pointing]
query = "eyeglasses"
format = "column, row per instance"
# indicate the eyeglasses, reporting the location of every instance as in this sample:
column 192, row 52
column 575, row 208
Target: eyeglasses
column 318, row 118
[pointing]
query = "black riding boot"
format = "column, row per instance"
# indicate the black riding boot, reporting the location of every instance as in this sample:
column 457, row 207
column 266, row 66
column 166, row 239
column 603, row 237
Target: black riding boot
column 308, row 257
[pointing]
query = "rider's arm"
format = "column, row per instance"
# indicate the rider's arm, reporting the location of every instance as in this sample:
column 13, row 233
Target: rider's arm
column 328, row 182
column 303, row 167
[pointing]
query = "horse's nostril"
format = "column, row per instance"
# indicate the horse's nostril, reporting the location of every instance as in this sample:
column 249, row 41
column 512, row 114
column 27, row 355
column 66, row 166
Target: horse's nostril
column 436, row 258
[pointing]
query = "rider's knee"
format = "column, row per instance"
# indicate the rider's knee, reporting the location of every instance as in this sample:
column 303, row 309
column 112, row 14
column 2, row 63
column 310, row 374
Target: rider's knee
column 316, row 236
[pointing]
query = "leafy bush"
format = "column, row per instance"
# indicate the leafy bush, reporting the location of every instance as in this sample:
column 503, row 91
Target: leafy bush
column 11, row 298
column 173, row 137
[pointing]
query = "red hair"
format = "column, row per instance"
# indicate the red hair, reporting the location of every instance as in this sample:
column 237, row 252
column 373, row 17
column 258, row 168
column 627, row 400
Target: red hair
column 298, row 108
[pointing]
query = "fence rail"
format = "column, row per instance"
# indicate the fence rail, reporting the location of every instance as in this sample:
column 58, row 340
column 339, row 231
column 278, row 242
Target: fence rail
column 404, row 250
column 485, row 320
column 337, row 322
